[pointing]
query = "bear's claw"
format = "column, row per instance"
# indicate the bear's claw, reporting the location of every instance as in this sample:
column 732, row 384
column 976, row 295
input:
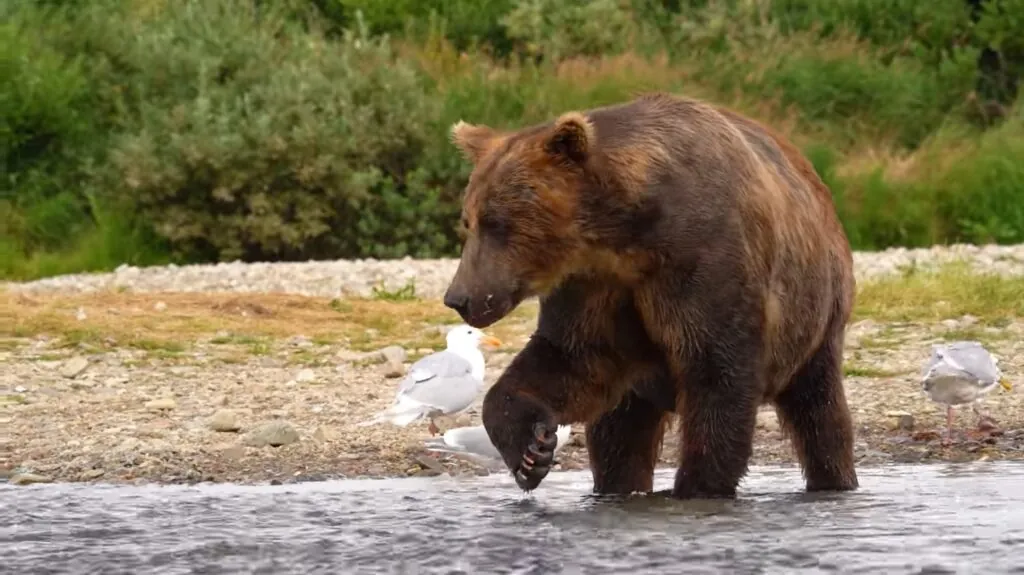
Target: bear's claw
column 537, row 460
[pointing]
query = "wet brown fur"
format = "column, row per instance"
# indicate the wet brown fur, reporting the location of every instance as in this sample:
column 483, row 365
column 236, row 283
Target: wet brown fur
column 689, row 261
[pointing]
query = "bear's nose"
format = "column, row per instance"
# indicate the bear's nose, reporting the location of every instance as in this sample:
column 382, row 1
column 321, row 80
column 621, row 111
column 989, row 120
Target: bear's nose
column 457, row 302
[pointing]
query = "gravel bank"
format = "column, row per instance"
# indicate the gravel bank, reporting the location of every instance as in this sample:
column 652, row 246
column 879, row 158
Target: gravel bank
column 289, row 413
column 431, row 276
column 229, row 407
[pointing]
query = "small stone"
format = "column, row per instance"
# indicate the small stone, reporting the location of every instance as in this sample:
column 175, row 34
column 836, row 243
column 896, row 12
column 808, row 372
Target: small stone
column 393, row 370
column 73, row 367
column 272, row 433
column 21, row 389
column 905, row 422
column 224, row 420
column 160, row 306
column 950, row 323
column 429, row 463
column 305, row 376
column 162, row 404
column 80, row 314
column 29, row 478
column 390, row 354
column 91, row 474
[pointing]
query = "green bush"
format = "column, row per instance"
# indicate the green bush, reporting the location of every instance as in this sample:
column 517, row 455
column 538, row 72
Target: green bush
column 46, row 132
column 146, row 130
column 277, row 145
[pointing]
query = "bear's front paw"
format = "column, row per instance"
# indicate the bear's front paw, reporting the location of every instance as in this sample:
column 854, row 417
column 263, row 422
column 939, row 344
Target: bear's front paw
column 537, row 458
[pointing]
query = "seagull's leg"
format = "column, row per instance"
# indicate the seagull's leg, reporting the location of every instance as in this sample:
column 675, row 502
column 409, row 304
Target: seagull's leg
column 949, row 426
column 432, row 428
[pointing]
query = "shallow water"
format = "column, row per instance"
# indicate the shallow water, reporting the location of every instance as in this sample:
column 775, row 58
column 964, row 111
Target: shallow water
column 904, row 519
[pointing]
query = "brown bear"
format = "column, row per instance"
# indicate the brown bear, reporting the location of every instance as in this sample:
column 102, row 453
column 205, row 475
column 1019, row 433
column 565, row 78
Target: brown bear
column 688, row 261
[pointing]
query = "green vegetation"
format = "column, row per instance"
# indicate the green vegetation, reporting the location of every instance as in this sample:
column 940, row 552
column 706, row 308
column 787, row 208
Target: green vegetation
column 149, row 131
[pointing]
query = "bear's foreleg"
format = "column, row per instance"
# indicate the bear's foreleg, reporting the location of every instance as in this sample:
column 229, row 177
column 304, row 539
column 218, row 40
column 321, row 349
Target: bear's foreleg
column 543, row 387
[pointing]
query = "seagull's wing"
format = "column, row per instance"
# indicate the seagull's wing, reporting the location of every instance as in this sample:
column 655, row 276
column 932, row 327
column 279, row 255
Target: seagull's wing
column 975, row 361
column 470, row 440
column 444, row 381
column 473, row 440
column 441, row 364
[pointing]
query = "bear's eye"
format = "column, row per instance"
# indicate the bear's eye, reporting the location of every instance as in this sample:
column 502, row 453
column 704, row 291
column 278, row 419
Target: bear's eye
column 496, row 227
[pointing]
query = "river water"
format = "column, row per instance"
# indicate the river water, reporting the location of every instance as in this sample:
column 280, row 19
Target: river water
column 904, row 519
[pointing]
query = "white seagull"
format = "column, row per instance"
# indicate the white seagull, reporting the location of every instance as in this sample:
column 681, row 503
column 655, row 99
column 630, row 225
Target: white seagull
column 442, row 383
column 473, row 441
column 960, row 373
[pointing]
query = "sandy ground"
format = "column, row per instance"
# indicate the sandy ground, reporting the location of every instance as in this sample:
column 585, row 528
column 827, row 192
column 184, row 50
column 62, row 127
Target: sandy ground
column 176, row 388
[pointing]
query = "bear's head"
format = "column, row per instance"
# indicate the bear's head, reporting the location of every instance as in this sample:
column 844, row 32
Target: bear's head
column 520, row 214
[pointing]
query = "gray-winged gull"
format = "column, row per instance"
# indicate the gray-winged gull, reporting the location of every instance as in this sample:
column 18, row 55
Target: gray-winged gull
column 442, row 383
column 959, row 373
column 473, row 441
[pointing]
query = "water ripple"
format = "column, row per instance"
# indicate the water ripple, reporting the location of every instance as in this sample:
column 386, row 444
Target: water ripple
column 905, row 519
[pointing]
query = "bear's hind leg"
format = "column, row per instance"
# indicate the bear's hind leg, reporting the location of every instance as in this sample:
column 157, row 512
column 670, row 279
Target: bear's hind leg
column 623, row 446
column 814, row 413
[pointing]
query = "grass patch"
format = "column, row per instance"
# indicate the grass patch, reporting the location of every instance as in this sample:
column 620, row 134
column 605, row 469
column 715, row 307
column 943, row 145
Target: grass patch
column 12, row 399
column 253, row 322
column 951, row 291
column 868, row 371
column 981, row 335
column 404, row 293
column 248, row 323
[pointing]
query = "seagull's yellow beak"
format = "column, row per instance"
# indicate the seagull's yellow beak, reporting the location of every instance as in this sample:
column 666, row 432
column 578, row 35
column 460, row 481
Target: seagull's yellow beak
column 490, row 341
column 1006, row 384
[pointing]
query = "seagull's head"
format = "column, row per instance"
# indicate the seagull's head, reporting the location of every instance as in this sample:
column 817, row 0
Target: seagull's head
column 469, row 337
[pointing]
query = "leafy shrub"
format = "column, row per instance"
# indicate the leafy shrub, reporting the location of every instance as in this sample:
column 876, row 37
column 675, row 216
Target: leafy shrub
column 46, row 136
column 277, row 146
column 557, row 30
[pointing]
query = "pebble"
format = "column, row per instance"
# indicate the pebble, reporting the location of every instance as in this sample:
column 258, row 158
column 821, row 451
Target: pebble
column 73, row 367
column 160, row 306
column 224, row 420
column 272, row 433
column 305, row 375
column 91, row 474
column 392, row 370
column 392, row 354
column 28, row 479
column 162, row 404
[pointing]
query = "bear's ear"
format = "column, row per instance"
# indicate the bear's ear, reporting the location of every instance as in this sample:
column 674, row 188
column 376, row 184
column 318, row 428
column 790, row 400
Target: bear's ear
column 473, row 140
column 572, row 137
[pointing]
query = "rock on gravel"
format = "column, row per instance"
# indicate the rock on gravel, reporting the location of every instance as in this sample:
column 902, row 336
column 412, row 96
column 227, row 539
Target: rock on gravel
column 224, row 420
column 272, row 433
column 73, row 367
column 161, row 404
column 390, row 354
column 430, row 277
column 29, row 478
